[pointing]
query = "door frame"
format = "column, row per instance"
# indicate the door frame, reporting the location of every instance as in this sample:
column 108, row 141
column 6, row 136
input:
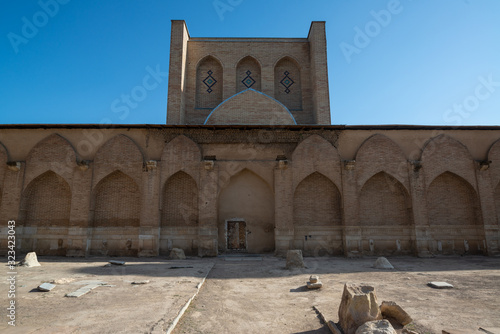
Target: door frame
column 246, row 233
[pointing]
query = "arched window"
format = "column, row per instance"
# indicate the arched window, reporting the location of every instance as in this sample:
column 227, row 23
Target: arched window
column 209, row 83
column 248, row 74
column 287, row 84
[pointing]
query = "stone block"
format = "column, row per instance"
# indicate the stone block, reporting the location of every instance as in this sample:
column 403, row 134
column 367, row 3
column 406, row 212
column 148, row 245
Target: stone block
column 358, row 305
column 294, row 259
column 376, row 327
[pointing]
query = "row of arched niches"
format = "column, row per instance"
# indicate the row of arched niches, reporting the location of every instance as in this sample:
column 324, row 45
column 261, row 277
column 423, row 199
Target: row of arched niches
column 385, row 202
column 209, row 81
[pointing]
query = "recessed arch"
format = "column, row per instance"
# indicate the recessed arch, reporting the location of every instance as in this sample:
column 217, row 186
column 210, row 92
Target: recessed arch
column 317, row 202
column 454, row 215
column 446, row 154
column 248, row 74
column 180, row 201
column 288, row 83
column 385, row 216
column 179, row 214
column 247, row 198
column 317, row 216
column 116, row 209
column 45, row 214
column 379, row 153
column 52, row 153
column 209, row 83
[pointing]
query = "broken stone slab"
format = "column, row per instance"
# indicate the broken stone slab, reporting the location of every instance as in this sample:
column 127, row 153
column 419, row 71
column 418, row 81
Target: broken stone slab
column 358, row 305
column 376, row 327
column 45, row 287
column 440, row 285
column 116, row 262
column 393, row 310
column 30, row 260
column 177, row 254
column 89, row 281
column 84, row 290
column 294, row 259
column 314, row 278
column 316, row 285
column 383, row 263
column 141, row 282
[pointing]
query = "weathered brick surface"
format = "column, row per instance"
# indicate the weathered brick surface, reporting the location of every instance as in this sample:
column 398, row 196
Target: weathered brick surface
column 252, row 108
column 229, row 59
column 117, row 203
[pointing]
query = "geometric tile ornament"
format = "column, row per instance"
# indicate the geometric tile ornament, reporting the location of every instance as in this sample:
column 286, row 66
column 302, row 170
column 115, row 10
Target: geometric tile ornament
column 287, row 82
column 210, row 81
column 248, row 81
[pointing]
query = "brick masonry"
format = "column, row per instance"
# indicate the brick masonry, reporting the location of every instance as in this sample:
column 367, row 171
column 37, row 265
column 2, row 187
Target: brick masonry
column 233, row 154
column 143, row 190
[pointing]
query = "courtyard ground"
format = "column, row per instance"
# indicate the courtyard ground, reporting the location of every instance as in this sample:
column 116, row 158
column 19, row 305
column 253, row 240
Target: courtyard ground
column 246, row 294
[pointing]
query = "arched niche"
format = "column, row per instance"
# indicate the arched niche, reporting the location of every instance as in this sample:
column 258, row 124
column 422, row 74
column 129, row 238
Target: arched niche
column 246, row 214
column 209, row 83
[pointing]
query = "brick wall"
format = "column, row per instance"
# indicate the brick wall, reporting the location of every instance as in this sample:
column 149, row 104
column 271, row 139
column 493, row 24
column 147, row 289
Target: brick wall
column 252, row 108
column 395, row 191
column 230, row 58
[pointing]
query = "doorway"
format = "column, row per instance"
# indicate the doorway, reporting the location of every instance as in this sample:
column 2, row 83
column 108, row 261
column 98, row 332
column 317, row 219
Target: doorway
column 236, row 235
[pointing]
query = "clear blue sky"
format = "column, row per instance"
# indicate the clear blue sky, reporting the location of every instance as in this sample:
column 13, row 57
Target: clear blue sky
column 429, row 62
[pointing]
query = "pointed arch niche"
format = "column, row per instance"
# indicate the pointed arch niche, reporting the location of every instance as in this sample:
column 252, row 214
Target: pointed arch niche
column 209, row 84
column 455, row 217
column 385, row 216
column 45, row 214
column 246, row 212
column 287, row 84
column 317, row 216
column 116, row 209
column 248, row 74
column 179, row 216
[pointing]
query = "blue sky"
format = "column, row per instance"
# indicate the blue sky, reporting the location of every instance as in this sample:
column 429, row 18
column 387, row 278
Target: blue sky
column 428, row 62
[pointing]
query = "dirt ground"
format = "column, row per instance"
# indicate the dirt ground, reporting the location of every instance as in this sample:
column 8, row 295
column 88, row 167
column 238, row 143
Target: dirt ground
column 246, row 294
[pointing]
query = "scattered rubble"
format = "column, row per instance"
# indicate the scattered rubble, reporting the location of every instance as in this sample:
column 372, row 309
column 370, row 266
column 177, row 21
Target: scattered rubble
column 62, row 281
column 177, row 254
column 440, row 285
column 30, row 260
column 383, row 263
column 86, row 289
column 358, row 305
column 45, row 287
column 393, row 310
column 314, row 282
column 294, row 259
column 376, row 327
